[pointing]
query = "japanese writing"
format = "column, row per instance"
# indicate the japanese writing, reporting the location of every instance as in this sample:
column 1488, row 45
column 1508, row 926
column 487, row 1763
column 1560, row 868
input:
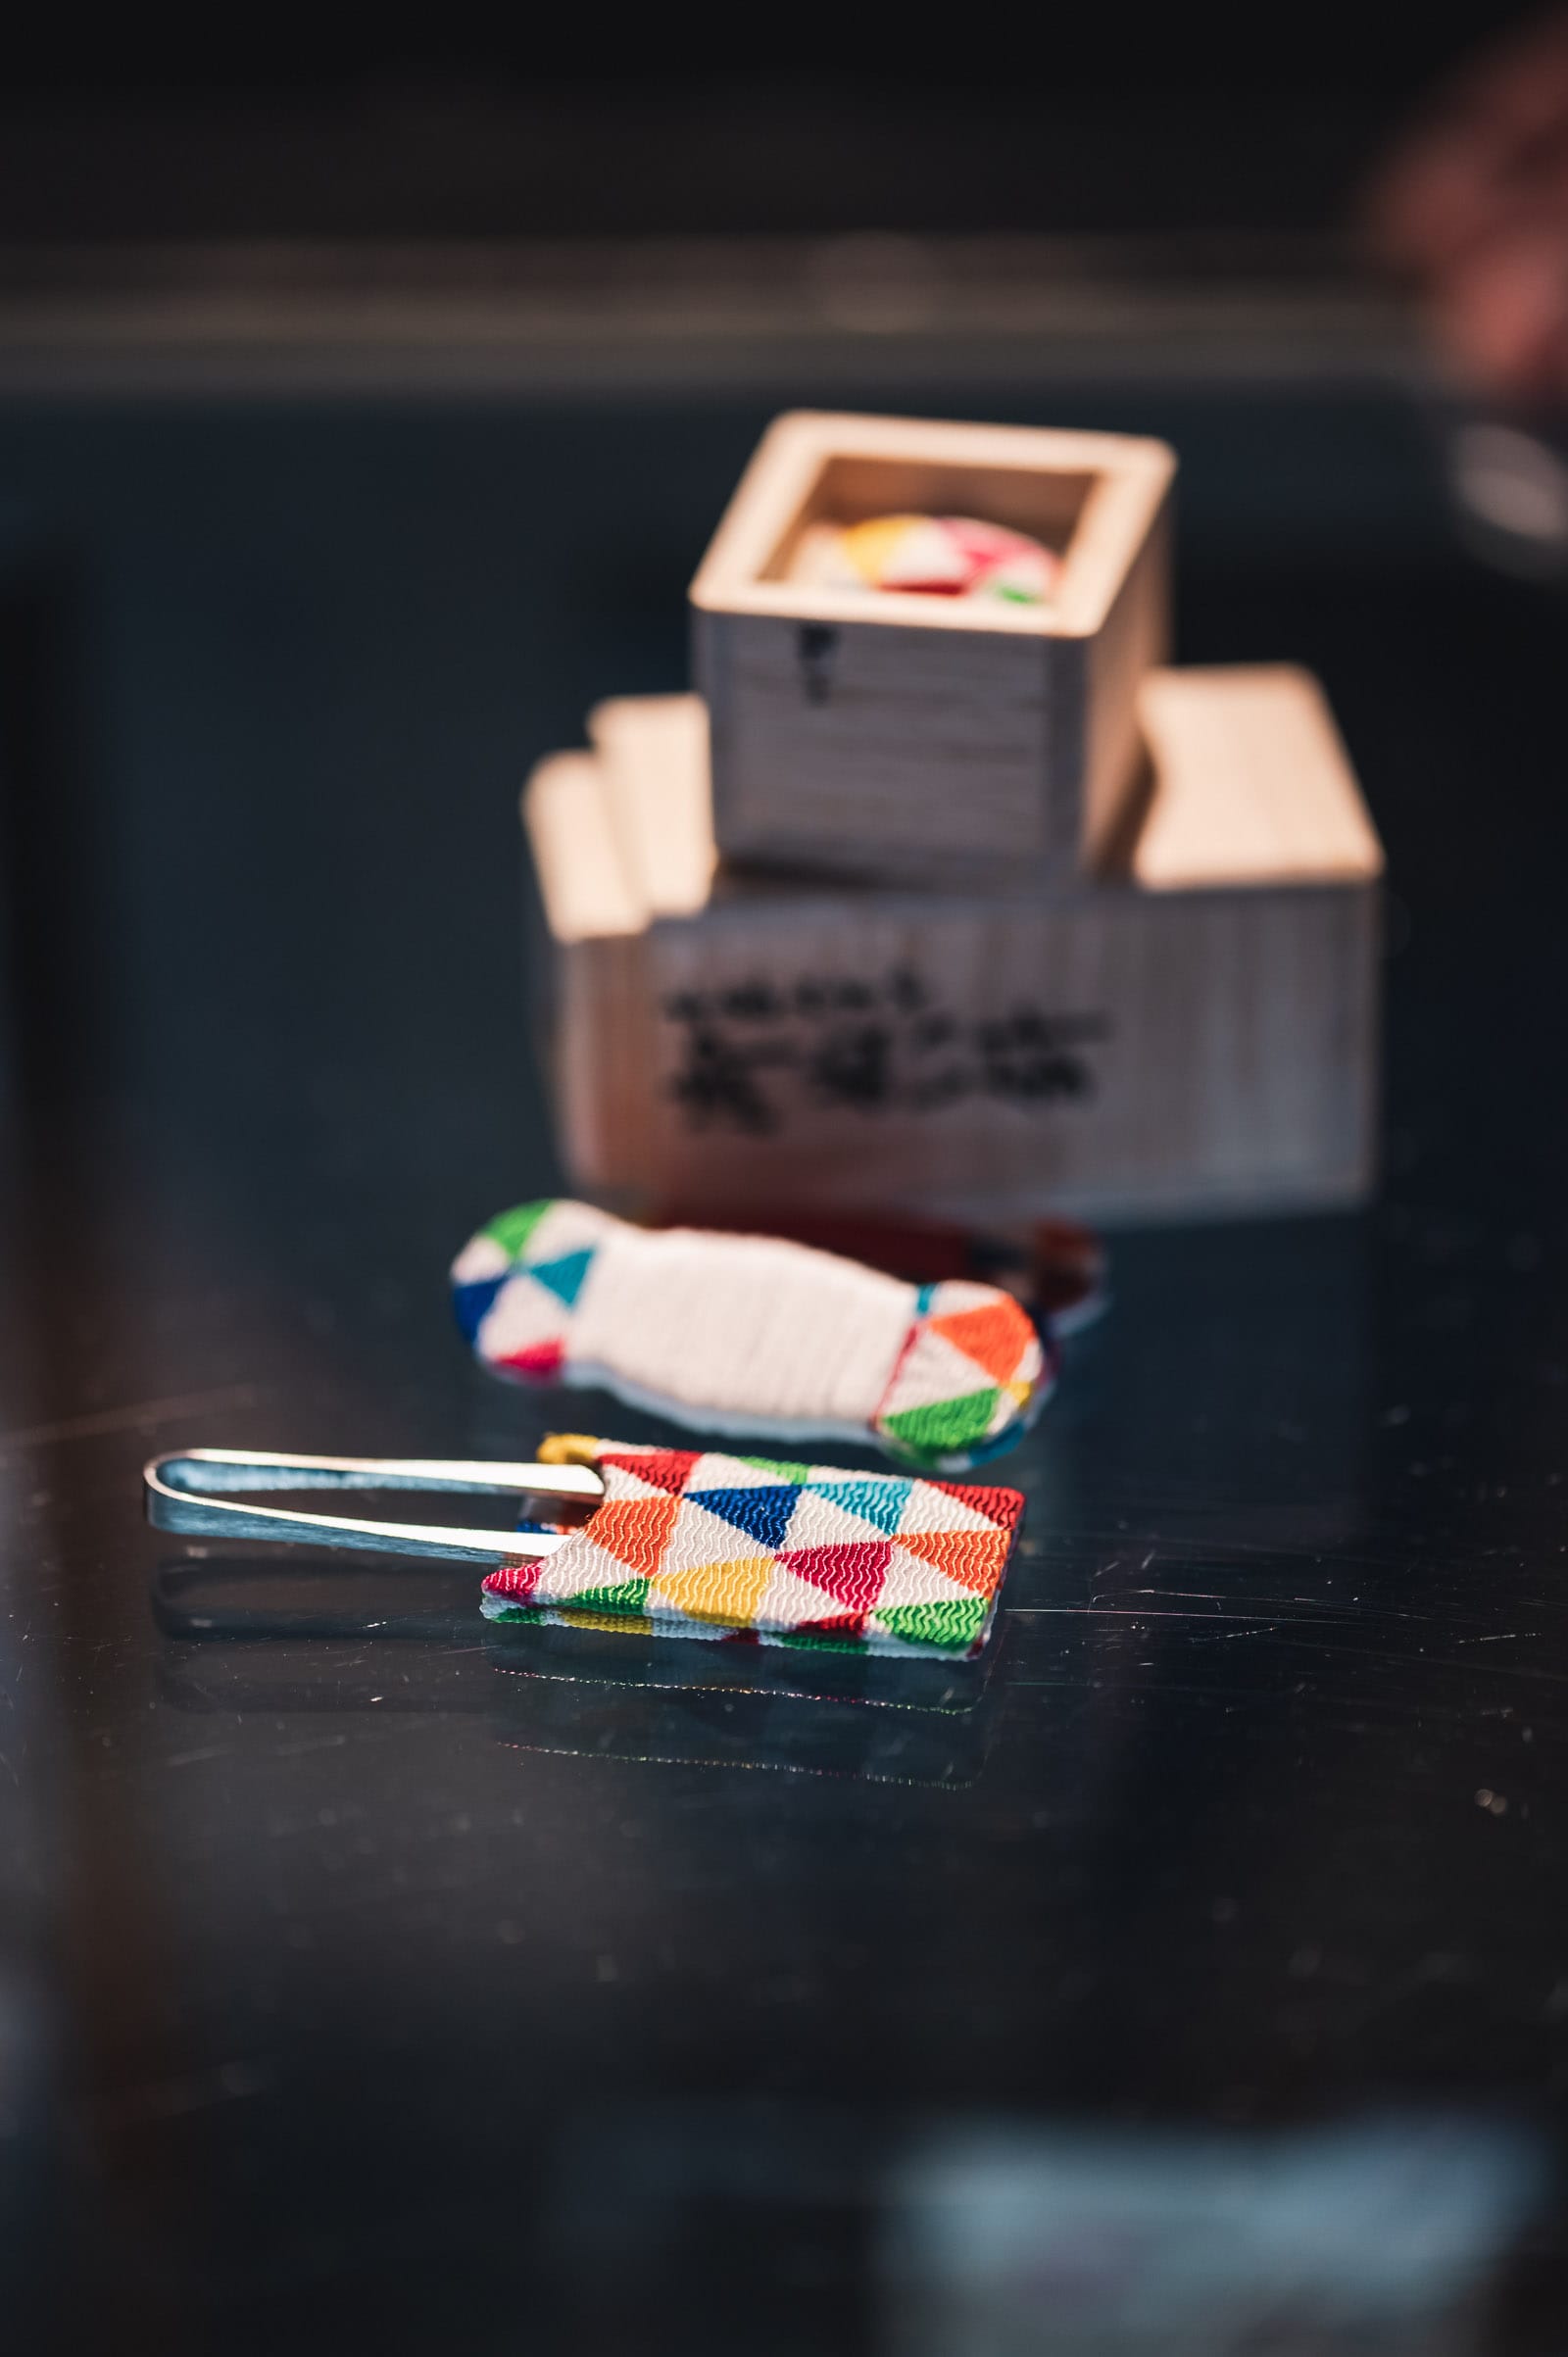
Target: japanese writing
column 748, row 1050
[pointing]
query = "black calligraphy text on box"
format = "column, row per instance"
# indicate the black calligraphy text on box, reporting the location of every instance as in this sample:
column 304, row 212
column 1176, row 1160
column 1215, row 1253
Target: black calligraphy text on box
column 747, row 1049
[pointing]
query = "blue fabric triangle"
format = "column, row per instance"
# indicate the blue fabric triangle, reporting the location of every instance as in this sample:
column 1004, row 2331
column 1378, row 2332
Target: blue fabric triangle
column 563, row 1277
column 763, row 1514
column 471, row 1302
column 879, row 1501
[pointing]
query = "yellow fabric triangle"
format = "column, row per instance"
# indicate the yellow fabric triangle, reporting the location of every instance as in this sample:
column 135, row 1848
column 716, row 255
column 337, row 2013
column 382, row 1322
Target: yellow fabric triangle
column 614, row 1624
column 727, row 1593
column 869, row 545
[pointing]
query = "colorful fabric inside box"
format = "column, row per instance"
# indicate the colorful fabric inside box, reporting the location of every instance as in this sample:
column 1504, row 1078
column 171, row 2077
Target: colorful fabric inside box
column 933, row 556
column 698, row 1543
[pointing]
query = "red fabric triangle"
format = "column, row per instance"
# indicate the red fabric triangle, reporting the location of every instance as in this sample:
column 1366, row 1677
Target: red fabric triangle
column 1001, row 1506
column 666, row 1468
column 841, row 1624
column 853, row 1573
column 517, row 1580
column 540, row 1360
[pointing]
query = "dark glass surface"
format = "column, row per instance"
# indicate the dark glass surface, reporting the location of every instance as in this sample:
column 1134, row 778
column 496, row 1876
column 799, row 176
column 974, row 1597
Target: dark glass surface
column 1197, row 1976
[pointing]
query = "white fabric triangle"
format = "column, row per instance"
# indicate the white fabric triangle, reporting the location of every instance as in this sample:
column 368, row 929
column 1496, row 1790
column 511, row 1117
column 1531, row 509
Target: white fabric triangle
column 928, row 1508
column 955, row 1295
column 665, row 1620
column 788, row 1603
column 480, row 1257
column 699, row 1538
column 820, row 1521
column 581, row 1566
column 925, row 552
column 569, row 1227
column 935, row 1369
column 522, row 1316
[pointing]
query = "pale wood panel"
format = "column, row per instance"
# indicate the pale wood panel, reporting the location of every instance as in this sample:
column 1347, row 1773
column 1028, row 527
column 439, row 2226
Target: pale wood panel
column 861, row 781
column 1123, row 1051
column 650, row 749
column 1253, row 781
column 1135, row 639
column 584, row 875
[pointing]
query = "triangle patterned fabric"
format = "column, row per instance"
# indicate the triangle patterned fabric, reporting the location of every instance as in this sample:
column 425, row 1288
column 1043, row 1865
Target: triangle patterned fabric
column 760, row 1335
column 710, row 1545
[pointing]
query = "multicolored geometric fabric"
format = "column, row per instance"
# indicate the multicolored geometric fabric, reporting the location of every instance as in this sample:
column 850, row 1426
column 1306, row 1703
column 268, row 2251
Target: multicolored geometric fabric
column 933, row 556
column 751, row 1334
column 694, row 1543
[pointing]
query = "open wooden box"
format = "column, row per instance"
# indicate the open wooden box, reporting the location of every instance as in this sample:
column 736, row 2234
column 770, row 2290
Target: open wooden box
column 1196, row 1035
column 903, row 738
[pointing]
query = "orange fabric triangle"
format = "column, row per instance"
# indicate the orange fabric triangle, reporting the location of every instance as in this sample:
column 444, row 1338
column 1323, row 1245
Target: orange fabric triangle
column 974, row 1558
column 994, row 1337
column 635, row 1530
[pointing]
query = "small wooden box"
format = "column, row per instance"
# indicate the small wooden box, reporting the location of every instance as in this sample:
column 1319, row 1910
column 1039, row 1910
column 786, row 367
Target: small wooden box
column 1196, row 1035
column 901, row 738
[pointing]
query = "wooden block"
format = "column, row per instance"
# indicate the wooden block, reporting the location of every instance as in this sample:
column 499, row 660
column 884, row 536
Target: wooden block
column 649, row 748
column 900, row 738
column 1195, row 1036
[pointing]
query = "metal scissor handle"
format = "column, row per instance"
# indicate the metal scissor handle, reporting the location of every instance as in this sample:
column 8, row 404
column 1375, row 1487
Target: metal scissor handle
column 189, row 1493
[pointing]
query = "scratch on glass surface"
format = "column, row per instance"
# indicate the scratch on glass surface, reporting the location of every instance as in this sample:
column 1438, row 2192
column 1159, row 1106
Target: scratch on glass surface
column 137, row 1415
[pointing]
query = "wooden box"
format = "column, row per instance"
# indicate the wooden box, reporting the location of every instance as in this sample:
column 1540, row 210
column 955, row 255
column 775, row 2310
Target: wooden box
column 897, row 737
column 1195, row 1035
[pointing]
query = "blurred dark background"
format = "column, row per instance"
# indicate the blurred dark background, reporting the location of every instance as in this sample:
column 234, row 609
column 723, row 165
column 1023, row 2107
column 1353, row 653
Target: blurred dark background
column 365, row 407
column 1054, row 120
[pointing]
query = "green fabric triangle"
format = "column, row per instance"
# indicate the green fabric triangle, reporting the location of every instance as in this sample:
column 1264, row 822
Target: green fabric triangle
column 953, row 1621
column 945, row 1423
column 512, row 1228
column 629, row 1596
column 799, row 1474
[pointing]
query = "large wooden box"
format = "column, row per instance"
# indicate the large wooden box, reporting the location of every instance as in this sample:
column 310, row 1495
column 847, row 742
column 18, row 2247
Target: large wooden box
column 1195, row 1036
column 897, row 737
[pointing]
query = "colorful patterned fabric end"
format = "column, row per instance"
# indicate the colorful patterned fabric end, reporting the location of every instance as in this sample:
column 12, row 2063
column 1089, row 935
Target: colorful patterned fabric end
column 697, row 1543
column 971, row 1377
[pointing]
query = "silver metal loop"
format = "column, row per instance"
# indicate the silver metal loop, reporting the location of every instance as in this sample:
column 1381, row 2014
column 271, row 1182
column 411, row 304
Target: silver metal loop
column 193, row 1491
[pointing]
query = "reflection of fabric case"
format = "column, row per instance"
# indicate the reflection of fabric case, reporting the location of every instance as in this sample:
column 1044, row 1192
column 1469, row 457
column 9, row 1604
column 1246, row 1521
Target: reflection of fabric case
column 701, row 1726
column 576, row 1689
column 698, row 1543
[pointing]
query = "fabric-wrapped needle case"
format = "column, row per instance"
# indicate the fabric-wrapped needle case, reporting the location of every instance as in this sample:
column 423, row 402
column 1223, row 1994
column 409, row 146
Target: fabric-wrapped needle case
column 700, row 1543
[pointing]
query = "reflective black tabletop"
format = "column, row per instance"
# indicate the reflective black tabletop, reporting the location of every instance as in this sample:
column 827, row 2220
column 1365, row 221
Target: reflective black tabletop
column 1195, row 1974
